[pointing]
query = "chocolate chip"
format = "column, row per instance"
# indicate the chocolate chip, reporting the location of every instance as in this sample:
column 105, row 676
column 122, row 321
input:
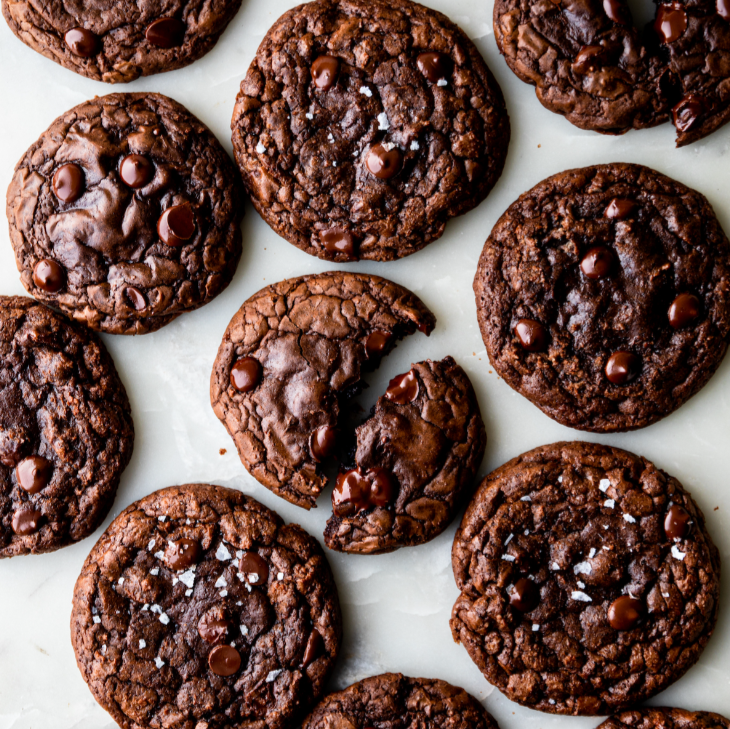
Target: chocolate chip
column 246, row 374
column 376, row 342
column 165, row 32
column 26, row 521
column 48, row 275
column 224, row 660
column 69, row 183
column 325, row 70
column 598, row 262
column 255, row 568
column 622, row 368
column 684, row 310
column 531, row 335
column 136, row 170
column 688, row 112
column 182, row 554
column 322, row 442
column 34, row 473
column 723, row 9
column 82, row 42
column 314, row 648
column 474, row 170
column 616, row 11
column 135, row 298
column 176, row 225
column 625, row 612
column 434, row 66
column 403, row 388
column 358, row 490
column 339, row 240
column 384, row 160
column 588, row 59
column 671, row 22
column 212, row 628
column 524, row 595
column 619, row 209
column 677, row 522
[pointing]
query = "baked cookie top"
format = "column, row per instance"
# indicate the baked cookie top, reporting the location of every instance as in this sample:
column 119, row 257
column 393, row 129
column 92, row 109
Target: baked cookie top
column 665, row 718
column 397, row 701
column 363, row 126
column 125, row 214
column 603, row 296
column 66, row 431
column 199, row 605
column 415, row 459
column 117, row 41
column 588, row 580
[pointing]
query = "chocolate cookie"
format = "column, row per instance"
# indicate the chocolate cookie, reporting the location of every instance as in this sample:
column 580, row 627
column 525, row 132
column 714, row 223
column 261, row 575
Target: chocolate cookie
column 291, row 359
column 395, row 701
column 588, row 580
column 603, row 296
column 363, row 126
column 66, row 431
column 666, row 718
column 118, row 41
column 200, row 607
column 589, row 63
column 415, row 458
column 125, row 214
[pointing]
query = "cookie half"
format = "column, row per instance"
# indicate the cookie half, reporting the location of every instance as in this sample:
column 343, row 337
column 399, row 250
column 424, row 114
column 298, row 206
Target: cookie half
column 292, row 357
column 394, row 700
column 603, row 296
column 200, row 605
column 126, row 214
column 588, row 580
column 118, row 42
column 363, row 126
column 66, row 431
column 415, row 458
column 665, row 718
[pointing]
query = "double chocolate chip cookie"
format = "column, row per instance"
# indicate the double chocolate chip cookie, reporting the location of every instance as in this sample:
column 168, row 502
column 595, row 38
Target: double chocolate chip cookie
column 588, row 580
column 394, row 700
column 125, row 214
column 666, row 718
column 118, row 40
column 200, row 607
column 603, row 296
column 589, row 63
column 66, row 431
column 363, row 126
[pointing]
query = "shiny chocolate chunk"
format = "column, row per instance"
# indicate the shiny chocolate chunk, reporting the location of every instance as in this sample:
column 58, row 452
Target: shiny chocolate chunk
column 597, row 262
column 176, row 226
column 313, row 649
column 723, row 9
column 246, row 374
column 671, row 22
column 376, row 342
column 619, row 209
column 224, row 660
column 403, row 388
column 136, row 170
column 255, row 568
column 339, row 240
column 325, row 70
column 589, row 59
column 82, row 42
column 524, row 595
column 213, row 629
column 684, row 310
column 49, row 276
column 26, row 520
column 358, row 490
column 531, row 335
column 322, row 442
column 688, row 112
column 34, row 473
column 677, row 522
column 165, row 32
column 616, row 11
column 69, row 183
column 183, row 554
column 625, row 612
column 622, row 368
column 434, row 66
column 135, row 298
column 384, row 160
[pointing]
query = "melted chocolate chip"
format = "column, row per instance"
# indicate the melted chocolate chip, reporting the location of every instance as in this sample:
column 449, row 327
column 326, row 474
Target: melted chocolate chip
column 246, row 374
column 588, row 59
column 684, row 310
column 165, row 32
column 723, row 9
column 671, row 22
column 619, row 209
column 213, row 629
column 616, row 11
column 255, row 568
column 384, row 161
column 322, row 442
column 34, row 473
column 325, row 70
column 531, row 335
column 224, row 660
column 625, row 612
column 48, row 275
column 182, row 554
column 597, row 262
column 688, row 112
column 82, row 42
column 434, row 66
column 358, row 490
column 176, row 225
column 314, row 648
column 622, row 368
column 26, row 521
column 376, row 342
column 339, row 240
column 677, row 522
column 69, row 183
column 474, row 170
column 403, row 388
column 136, row 170
column 135, row 298
column 524, row 596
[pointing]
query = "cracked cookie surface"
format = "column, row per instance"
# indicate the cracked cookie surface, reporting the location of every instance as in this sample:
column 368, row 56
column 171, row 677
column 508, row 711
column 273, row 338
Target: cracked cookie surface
column 588, row 580
column 603, row 296
column 66, row 431
column 665, row 718
column 126, row 214
column 427, row 434
column 363, row 126
column 292, row 357
column 117, row 41
column 398, row 702
column 200, row 606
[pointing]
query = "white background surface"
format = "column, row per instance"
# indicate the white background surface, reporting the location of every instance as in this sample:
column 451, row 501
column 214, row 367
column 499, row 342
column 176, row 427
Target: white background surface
column 396, row 607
